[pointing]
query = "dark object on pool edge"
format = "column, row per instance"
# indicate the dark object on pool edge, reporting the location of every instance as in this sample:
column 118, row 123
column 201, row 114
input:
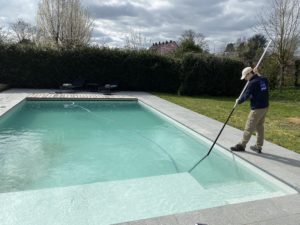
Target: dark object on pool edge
column 255, row 148
column 238, row 148
column 77, row 84
column 201, row 224
column 106, row 89
column 92, row 87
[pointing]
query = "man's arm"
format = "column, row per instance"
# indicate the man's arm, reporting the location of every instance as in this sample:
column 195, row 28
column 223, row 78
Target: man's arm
column 245, row 95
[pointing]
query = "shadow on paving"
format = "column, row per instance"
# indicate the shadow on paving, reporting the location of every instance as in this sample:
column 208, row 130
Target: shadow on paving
column 292, row 162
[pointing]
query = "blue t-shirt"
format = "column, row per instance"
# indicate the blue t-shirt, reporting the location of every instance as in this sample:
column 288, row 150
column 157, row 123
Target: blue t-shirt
column 258, row 92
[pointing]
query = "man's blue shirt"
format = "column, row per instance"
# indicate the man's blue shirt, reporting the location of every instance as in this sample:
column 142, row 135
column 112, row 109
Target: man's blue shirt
column 258, row 92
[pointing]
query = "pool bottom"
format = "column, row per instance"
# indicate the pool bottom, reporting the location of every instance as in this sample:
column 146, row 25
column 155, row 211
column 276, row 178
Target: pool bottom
column 114, row 202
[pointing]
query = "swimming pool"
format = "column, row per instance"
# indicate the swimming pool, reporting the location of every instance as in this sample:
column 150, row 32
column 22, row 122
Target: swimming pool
column 115, row 161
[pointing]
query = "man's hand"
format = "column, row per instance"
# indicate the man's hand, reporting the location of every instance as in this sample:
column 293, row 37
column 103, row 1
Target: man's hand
column 237, row 101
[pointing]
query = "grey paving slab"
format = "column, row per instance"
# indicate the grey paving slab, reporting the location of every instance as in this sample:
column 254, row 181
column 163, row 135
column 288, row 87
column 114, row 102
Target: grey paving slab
column 258, row 211
column 289, row 205
column 167, row 220
column 275, row 160
column 9, row 100
column 144, row 222
column 206, row 217
column 286, row 220
column 189, row 218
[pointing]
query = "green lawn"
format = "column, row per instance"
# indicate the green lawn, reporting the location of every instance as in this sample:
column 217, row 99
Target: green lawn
column 282, row 125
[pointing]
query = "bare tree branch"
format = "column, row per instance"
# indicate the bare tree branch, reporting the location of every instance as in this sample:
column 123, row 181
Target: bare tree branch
column 64, row 23
column 136, row 41
column 3, row 35
column 23, row 31
column 197, row 38
column 281, row 25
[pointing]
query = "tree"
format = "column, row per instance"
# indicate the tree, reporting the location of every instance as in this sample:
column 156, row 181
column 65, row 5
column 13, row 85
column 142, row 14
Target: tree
column 189, row 46
column 257, row 41
column 241, row 49
column 253, row 48
column 3, row 35
column 24, row 32
column 64, row 23
column 281, row 24
column 192, row 41
column 229, row 47
column 136, row 41
column 246, row 50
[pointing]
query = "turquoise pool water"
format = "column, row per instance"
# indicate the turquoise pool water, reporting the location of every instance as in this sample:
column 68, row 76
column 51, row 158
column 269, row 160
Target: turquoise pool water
column 121, row 153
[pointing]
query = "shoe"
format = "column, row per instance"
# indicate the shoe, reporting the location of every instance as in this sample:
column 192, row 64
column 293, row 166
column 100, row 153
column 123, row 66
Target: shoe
column 255, row 148
column 238, row 148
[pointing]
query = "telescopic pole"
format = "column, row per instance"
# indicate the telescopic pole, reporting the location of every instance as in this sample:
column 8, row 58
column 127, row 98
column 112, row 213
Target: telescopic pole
column 235, row 105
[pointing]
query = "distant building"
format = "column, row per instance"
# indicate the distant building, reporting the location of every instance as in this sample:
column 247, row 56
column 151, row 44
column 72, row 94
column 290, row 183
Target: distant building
column 164, row 47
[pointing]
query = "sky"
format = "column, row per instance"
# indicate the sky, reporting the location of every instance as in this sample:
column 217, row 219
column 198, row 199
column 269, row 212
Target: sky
column 220, row 21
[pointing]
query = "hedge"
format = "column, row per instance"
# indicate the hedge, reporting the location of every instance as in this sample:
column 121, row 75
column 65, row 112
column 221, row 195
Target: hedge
column 38, row 68
column 211, row 76
column 27, row 67
column 297, row 72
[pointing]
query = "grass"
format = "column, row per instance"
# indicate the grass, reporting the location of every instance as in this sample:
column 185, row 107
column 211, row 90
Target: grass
column 282, row 125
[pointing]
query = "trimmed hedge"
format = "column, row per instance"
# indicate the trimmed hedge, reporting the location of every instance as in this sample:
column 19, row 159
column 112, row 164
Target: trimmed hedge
column 25, row 67
column 37, row 68
column 297, row 72
column 211, row 76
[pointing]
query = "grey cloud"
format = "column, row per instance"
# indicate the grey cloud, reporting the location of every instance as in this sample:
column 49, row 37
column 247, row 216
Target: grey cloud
column 97, row 33
column 100, row 37
column 114, row 12
column 183, row 12
column 102, row 40
column 200, row 8
column 213, row 18
column 14, row 9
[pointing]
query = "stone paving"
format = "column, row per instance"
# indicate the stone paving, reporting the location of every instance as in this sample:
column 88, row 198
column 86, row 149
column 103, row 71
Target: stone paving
column 275, row 160
column 87, row 96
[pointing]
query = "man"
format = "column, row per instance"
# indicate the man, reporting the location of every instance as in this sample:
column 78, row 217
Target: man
column 258, row 92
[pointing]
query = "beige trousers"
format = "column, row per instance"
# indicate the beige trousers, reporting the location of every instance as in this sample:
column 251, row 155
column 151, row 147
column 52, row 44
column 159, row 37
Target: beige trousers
column 255, row 122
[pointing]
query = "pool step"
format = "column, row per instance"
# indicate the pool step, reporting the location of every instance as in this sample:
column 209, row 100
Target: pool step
column 118, row 201
column 239, row 192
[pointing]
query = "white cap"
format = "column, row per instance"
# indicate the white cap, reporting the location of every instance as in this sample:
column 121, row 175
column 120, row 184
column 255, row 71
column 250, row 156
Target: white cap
column 245, row 72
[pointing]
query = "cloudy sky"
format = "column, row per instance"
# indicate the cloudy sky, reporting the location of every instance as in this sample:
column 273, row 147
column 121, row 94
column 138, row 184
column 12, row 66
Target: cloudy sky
column 221, row 21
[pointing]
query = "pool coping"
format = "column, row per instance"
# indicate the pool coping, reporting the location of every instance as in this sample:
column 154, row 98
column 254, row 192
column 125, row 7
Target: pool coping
column 279, row 162
column 83, row 97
